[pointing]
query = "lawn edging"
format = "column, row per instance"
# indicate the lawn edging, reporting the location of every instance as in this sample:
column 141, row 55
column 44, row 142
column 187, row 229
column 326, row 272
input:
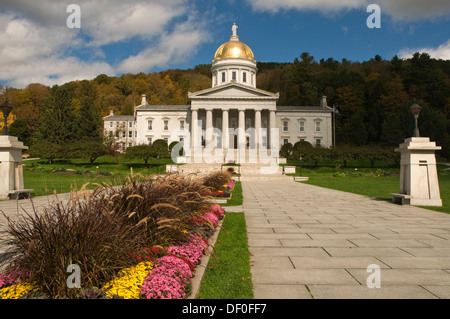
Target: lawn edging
column 201, row 267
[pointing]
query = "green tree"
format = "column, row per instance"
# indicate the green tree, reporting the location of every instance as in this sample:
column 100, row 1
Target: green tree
column 142, row 151
column 160, row 149
column 89, row 149
column 57, row 123
column 20, row 129
column 47, row 150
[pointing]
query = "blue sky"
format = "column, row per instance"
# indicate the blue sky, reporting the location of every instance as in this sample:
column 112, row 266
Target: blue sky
column 144, row 36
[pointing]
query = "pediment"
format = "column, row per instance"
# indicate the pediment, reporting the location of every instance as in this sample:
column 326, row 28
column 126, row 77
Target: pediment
column 232, row 90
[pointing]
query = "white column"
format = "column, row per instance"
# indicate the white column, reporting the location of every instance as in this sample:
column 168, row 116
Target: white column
column 209, row 125
column 272, row 124
column 257, row 128
column 196, row 130
column 241, row 136
column 225, row 134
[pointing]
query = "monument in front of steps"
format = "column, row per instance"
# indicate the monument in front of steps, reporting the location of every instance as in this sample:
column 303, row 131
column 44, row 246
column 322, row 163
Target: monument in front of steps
column 419, row 184
column 11, row 167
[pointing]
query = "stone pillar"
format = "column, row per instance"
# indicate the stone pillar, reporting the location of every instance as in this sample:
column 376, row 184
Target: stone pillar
column 11, row 167
column 419, row 183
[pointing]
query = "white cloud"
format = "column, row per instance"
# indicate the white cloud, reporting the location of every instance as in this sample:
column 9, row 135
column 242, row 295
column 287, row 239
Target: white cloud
column 317, row 5
column 173, row 47
column 441, row 52
column 36, row 45
column 407, row 10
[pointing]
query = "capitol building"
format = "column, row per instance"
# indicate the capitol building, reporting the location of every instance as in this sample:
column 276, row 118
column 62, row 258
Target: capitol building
column 231, row 121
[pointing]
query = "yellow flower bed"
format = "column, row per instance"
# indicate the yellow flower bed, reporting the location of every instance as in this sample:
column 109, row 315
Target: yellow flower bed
column 18, row 290
column 128, row 282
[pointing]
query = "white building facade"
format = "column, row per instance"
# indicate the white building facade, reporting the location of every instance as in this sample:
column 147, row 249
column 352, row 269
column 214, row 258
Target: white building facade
column 230, row 120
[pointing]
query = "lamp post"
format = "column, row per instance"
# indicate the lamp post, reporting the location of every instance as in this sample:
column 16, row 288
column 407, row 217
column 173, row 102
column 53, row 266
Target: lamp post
column 6, row 109
column 301, row 158
column 415, row 110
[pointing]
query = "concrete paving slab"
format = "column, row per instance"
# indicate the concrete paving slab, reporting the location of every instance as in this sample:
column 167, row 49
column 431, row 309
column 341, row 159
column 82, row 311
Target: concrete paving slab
column 335, row 262
column 281, row 292
column 363, row 292
column 302, row 277
column 347, row 232
column 401, row 277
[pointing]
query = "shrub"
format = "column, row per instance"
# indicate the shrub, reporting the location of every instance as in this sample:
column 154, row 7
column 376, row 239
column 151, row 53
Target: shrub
column 216, row 180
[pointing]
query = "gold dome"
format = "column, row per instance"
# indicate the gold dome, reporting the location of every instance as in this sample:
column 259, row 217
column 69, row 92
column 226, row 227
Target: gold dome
column 234, row 50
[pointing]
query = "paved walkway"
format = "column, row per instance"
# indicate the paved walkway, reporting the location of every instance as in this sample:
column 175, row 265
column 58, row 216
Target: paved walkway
column 311, row 242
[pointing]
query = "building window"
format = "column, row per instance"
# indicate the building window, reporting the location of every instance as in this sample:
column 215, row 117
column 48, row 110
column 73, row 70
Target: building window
column 130, row 124
column 223, row 77
column 181, row 139
column 318, row 126
column 285, row 126
column 264, row 141
column 130, row 144
column 166, row 125
column 252, row 78
column 285, row 140
column 166, row 139
column 244, row 77
column 123, row 135
column 318, row 142
column 111, row 133
column 110, row 124
column 182, row 125
column 117, row 133
column 135, row 134
column 149, row 140
column 233, row 75
column 150, row 125
column 130, row 134
column 302, row 126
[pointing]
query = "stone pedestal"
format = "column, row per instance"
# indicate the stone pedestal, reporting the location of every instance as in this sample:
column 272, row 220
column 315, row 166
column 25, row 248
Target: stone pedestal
column 11, row 167
column 418, row 175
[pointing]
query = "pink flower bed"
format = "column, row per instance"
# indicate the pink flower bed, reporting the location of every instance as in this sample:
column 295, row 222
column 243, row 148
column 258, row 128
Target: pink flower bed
column 12, row 278
column 172, row 273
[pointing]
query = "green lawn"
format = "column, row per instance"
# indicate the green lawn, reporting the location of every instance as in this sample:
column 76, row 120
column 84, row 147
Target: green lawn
column 64, row 175
column 228, row 276
column 377, row 187
column 236, row 198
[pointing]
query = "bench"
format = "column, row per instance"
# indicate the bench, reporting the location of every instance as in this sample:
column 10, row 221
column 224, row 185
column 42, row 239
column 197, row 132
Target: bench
column 401, row 199
column 20, row 193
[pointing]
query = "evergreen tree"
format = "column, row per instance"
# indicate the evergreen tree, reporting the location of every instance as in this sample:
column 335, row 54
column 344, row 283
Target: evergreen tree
column 57, row 123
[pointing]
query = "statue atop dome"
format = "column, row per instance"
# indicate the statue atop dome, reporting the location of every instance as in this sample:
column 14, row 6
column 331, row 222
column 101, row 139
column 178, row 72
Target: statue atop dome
column 234, row 29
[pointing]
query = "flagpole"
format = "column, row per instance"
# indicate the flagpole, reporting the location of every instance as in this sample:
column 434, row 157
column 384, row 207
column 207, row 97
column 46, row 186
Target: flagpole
column 334, row 127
